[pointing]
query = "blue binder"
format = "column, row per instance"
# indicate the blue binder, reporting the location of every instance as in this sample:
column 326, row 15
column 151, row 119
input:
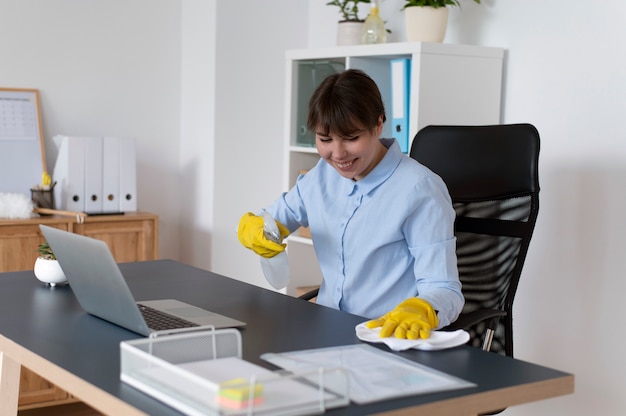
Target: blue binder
column 400, row 77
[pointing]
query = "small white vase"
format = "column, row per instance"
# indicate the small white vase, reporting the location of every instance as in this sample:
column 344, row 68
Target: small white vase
column 349, row 33
column 426, row 23
column 49, row 271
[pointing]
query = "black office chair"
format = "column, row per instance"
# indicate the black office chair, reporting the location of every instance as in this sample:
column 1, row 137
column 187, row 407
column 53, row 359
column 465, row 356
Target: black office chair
column 492, row 175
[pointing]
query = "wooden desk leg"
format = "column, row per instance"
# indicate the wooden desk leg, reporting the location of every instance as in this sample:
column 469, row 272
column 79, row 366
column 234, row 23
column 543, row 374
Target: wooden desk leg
column 9, row 385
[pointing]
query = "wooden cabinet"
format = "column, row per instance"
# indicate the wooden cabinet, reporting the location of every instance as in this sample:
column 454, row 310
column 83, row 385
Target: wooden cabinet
column 19, row 240
column 132, row 236
column 447, row 84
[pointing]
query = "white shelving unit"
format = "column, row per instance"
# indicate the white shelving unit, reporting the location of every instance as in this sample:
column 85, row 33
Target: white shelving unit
column 448, row 84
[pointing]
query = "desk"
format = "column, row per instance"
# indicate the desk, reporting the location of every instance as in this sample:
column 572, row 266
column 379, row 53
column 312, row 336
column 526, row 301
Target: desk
column 47, row 331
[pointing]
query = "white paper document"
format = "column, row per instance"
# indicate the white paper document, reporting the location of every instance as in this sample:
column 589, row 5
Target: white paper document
column 373, row 374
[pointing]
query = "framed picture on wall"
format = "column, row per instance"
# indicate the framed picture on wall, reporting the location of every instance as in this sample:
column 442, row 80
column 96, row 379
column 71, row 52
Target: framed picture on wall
column 22, row 151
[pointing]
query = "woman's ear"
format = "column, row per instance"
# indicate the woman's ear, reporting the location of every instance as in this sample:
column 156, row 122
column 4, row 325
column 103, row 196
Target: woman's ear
column 379, row 126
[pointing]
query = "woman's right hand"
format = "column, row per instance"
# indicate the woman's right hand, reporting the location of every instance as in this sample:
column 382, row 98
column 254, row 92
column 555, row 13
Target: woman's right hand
column 251, row 235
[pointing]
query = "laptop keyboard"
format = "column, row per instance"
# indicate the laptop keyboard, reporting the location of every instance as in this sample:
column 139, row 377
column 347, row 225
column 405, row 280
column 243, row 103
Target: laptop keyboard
column 158, row 320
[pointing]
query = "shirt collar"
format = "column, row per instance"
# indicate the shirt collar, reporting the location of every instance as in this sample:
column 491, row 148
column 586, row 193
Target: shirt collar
column 380, row 173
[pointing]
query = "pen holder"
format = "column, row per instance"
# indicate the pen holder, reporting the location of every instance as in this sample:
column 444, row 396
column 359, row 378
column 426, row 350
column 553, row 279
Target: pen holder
column 42, row 198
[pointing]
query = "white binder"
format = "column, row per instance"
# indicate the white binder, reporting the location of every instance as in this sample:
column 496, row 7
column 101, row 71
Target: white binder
column 93, row 174
column 128, row 175
column 69, row 174
column 111, row 174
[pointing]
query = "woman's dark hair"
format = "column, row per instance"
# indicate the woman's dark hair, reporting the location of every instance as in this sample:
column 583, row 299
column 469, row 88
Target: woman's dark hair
column 345, row 103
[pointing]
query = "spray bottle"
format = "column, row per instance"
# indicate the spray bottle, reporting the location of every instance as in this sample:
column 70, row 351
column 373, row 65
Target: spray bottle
column 275, row 269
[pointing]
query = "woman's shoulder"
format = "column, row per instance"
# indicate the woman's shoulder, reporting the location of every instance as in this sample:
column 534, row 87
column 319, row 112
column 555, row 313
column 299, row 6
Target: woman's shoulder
column 413, row 172
column 414, row 167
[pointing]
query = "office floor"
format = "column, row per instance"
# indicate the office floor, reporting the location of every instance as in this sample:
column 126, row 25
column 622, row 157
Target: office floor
column 74, row 409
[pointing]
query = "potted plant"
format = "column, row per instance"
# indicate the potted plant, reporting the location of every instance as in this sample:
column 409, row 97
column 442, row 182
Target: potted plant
column 350, row 27
column 427, row 20
column 47, row 268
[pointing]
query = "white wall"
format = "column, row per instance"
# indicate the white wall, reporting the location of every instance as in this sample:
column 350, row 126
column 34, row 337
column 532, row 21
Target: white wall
column 565, row 73
column 197, row 127
column 148, row 69
column 105, row 68
column 249, row 120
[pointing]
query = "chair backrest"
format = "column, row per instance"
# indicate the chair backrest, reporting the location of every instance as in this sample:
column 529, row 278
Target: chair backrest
column 492, row 176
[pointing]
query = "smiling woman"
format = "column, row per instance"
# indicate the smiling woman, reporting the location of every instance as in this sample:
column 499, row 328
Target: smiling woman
column 354, row 156
column 348, row 131
column 381, row 223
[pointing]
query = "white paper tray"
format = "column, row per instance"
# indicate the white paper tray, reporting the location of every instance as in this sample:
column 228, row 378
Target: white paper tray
column 187, row 371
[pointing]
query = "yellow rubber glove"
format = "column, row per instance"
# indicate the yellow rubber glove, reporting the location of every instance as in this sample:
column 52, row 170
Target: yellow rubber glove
column 412, row 319
column 250, row 233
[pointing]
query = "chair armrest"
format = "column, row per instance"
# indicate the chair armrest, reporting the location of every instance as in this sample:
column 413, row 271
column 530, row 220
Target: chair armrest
column 310, row 294
column 468, row 319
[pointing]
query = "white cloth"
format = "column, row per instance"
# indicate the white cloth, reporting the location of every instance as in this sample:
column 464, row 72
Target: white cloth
column 438, row 340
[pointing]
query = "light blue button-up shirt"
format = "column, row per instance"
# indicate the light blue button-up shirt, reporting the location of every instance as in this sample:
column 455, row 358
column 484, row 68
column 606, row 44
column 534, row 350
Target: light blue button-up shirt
column 380, row 240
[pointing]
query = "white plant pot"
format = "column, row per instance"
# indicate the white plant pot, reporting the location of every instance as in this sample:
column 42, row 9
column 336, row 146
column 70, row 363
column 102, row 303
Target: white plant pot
column 349, row 33
column 49, row 271
column 426, row 23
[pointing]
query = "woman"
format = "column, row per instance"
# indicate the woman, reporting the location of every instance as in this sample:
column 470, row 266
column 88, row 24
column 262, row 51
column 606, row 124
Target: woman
column 381, row 223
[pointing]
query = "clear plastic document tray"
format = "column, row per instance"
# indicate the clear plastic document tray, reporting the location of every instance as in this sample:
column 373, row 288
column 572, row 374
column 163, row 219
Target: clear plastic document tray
column 202, row 373
column 374, row 374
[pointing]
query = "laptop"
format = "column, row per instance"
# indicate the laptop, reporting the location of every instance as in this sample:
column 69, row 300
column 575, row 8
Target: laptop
column 101, row 290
